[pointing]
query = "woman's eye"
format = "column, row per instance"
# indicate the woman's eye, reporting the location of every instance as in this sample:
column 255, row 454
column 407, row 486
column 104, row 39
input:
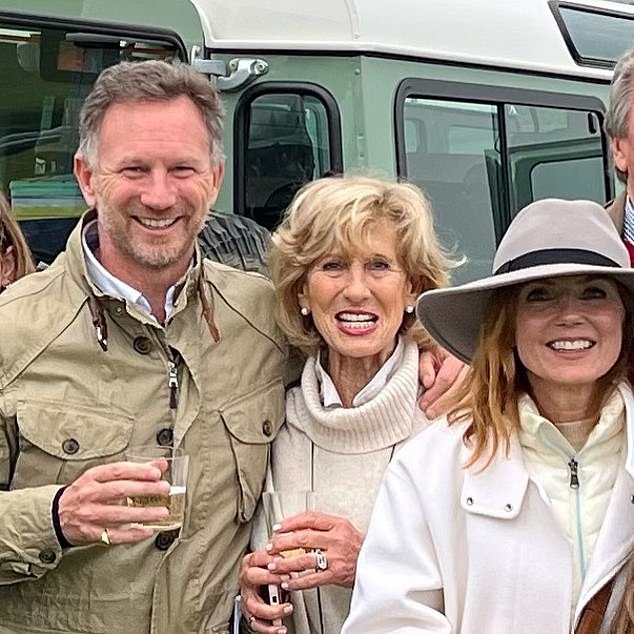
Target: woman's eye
column 538, row 295
column 594, row 292
column 378, row 265
column 332, row 265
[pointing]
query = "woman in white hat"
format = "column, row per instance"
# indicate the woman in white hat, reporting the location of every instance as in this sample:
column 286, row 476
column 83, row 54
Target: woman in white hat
column 515, row 515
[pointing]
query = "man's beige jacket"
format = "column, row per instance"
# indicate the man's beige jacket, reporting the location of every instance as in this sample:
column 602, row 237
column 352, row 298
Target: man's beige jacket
column 67, row 404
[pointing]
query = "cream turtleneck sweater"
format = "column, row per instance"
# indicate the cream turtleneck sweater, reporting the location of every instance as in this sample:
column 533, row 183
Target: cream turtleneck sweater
column 341, row 454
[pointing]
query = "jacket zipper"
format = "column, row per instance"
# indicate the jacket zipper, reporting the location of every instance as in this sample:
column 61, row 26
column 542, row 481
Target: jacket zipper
column 173, row 359
column 574, row 475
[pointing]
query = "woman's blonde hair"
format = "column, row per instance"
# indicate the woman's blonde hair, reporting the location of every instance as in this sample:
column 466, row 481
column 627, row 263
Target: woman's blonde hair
column 489, row 394
column 337, row 215
column 11, row 236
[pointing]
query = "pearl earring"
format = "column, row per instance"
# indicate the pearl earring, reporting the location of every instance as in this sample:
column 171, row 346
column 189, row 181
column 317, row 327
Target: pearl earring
column 304, row 311
column 409, row 309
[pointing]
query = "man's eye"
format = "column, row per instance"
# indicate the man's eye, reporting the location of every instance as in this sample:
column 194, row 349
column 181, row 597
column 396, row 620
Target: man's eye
column 183, row 171
column 133, row 170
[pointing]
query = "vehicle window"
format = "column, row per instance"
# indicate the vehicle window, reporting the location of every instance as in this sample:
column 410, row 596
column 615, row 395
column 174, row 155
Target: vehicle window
column 46, row 74
column 481, row 162
column 595, row 37
column 288, row 143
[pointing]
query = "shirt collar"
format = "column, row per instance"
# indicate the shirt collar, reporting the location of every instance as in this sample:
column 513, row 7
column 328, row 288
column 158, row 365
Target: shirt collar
column 329, row 395
column 112, row 286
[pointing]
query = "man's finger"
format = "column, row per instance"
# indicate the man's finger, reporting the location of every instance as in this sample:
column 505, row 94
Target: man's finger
column 126, row 471
column 427, row 368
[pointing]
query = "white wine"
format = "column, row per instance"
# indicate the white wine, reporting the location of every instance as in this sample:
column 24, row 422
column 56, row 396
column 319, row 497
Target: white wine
column 175, row 502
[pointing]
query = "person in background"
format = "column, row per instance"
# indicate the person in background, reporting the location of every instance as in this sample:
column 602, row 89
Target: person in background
column 514, row 514
column 15, row 256
column 347, row 262
column 619, row 127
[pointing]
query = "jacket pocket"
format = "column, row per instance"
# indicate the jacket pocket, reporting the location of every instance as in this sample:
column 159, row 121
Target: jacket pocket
column 253, row 422
column 59, row 441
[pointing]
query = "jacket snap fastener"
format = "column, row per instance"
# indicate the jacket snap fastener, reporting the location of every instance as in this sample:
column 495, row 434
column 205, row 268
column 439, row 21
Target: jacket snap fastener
column 164, row 540
column 632, row 499
column 142, row 345
column 70, row 446
column 165, row 437
column 118, row 311
column 508, row 507
column 267, row 428
column 47, row 556
column 469, row 501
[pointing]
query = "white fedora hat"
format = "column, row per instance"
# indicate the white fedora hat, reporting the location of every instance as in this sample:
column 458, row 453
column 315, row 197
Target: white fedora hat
column 548, row 238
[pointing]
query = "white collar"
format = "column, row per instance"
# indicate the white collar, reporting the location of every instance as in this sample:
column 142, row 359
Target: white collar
column 329, row 395
column 112, row 286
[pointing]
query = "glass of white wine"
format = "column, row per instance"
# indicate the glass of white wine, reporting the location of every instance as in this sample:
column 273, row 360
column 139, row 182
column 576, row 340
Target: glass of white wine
column 175, row 474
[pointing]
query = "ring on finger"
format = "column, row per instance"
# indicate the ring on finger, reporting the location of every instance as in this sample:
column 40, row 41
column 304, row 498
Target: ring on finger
column 321, row 560
column 105, row 537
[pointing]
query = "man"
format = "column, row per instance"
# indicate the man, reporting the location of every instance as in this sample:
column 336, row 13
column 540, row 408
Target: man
column 619, row 127
column 131, row 338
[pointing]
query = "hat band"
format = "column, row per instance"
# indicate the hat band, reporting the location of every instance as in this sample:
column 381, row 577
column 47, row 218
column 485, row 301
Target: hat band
column 555, row 256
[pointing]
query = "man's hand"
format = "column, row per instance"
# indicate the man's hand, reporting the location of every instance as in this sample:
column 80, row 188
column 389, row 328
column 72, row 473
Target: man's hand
column 97, row 500
column 440, row 374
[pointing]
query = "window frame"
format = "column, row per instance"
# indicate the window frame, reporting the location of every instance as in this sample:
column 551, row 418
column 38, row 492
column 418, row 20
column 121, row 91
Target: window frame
column 498, row 96
column 579, row 59
column 242, row 124
column 93, row 27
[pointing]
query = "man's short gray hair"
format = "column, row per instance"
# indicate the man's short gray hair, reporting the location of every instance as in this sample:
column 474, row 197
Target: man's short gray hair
column 621, row 95
column 151, row 80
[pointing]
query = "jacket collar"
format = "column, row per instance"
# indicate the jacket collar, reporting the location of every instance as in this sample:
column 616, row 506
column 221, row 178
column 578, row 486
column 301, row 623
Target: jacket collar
column 499, row 489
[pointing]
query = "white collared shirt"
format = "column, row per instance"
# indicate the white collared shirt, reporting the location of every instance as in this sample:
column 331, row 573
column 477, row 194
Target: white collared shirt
column 112, row 286
column 329, row 395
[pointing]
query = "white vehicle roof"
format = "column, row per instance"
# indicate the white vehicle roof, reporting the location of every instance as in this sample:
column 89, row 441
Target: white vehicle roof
column 505, row 33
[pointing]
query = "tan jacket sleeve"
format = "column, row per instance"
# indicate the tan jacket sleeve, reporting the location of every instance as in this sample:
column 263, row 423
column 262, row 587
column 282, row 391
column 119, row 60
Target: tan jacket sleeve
column 28, row 544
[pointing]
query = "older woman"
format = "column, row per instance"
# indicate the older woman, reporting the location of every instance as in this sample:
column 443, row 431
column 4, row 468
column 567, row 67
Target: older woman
column 15, row 256
column 348, row 262
column 513, row 516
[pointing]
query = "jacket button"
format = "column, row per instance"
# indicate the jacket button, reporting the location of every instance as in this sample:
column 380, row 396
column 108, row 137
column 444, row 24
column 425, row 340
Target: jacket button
column 142, row 345
column 469, row 501
column 267, row 428
column 47, row 556
column 508, row 507
column 165, row 437
column 118, row 311
column 70, row 446
column 164, row 540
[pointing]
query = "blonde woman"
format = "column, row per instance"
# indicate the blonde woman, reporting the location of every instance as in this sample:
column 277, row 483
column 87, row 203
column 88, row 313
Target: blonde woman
column 348, row 261
column 513, row 515
column 15, row 256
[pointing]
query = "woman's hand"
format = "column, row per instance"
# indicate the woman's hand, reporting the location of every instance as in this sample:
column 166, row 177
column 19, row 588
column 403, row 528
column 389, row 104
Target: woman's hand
column 334, row 535
column 254, row 580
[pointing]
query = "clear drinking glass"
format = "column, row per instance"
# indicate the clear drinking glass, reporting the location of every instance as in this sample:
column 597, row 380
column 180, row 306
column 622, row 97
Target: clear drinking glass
column 175, row 474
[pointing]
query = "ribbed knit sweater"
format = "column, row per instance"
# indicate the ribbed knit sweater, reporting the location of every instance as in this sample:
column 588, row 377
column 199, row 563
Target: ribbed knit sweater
column 341, row 454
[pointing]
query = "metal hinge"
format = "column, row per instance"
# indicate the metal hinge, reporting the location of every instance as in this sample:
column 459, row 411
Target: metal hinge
column 239, row 72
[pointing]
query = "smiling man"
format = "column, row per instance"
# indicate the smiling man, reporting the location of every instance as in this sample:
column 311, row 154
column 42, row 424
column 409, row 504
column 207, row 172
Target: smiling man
column 132, row 338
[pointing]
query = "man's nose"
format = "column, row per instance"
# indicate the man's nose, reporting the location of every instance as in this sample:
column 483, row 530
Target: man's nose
column 159, row 191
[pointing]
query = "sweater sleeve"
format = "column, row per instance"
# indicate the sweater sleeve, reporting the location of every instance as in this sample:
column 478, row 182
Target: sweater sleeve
column 398, row 588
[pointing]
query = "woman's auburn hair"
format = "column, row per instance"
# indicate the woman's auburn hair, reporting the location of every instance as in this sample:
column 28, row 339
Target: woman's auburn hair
column 11, row 236
column 488, row 397
column 337, row 214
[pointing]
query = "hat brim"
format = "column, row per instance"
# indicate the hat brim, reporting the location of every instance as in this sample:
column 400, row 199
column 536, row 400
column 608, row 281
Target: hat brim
column 453, row 316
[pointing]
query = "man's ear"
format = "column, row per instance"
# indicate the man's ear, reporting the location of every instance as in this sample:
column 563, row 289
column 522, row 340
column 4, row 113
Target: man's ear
column 7, row 267
column 620, row 152
column 85, row 178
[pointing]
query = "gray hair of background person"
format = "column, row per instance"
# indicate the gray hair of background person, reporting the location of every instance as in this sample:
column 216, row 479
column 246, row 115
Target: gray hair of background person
column 621, row 94
column 150, row 81
column 11, row 236
column 337, row 215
